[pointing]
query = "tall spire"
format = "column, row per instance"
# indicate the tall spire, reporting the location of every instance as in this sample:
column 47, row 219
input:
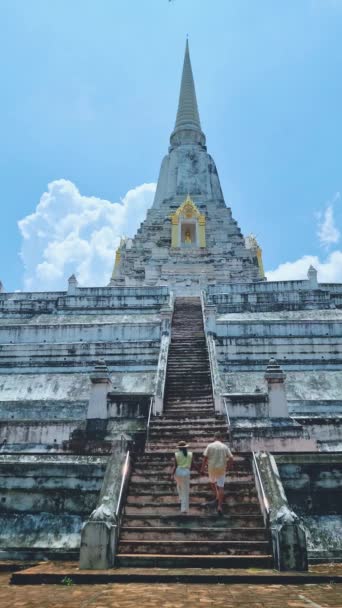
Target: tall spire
column 188, row 126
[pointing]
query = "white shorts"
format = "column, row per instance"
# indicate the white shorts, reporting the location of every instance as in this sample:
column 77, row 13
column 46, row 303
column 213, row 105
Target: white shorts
column 219, row 480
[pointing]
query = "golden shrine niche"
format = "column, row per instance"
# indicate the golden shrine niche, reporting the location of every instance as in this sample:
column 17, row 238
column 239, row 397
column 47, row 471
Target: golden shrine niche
column 188, row 226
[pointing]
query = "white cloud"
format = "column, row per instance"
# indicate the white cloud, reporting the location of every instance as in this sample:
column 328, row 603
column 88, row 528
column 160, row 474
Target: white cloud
column 329, row 270
column 69, row 232
column 327, row 231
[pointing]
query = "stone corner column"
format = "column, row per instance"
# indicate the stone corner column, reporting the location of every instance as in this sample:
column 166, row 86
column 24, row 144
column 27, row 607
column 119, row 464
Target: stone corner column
column 312, row 278
column 275, row 378
column 100, row 387
column 165, row 321
column 98, row 544
column 72, row 285
column 2, row 289
column 210, row 319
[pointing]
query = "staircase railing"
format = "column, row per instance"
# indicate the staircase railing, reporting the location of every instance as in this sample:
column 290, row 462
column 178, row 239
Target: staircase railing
column 226, row 410
column 265, row 506
column 287, row 533
column 123, row 487
column 149, row 420
column 100, row 533
column 126, row 473
column 214, row 371
column 166, row 321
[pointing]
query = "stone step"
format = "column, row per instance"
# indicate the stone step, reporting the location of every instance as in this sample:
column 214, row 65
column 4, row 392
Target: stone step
column 188, row 404
column 162, row 475
column 197, row 499
column 172, row 396
column 176, row 413
column 198, row 389
column 145, row 493
column 198, row 421
column 195, row 364
column 166, row 420
column 189, row 413
column 158, row 477
column 185, row 432
column 190, row 392
column 184, row 341
column 194, row 547
column 192, row 357
column 197, row 361
column 168, row 445
column 161, row 434
column 164, row 456
column 164, row 467
column 187, row 534
column 186, row 385
column 194, row 561
column 193, row 421
column 206, row 518
column 172, row 426
column 233, row 489
column 201, row 400
column 186, row 379
column 155, row 463
column 150, row 508
column 195, row 396
column 187, row 372
column 162, row 472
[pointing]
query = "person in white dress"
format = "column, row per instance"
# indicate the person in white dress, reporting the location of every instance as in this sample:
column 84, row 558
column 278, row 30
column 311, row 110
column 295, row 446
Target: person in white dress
column 181, row 473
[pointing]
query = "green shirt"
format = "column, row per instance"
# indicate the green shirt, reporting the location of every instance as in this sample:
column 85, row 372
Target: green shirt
column 184, row 462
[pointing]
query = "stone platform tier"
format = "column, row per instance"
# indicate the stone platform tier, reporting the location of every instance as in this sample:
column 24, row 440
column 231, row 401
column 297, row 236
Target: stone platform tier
column 54, row 573
column 154, row 533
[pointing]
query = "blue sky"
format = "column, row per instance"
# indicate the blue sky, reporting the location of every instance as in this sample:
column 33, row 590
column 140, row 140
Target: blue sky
column 89, row 98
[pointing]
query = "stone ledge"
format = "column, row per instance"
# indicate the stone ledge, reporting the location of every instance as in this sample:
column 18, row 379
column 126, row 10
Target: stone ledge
column 54, row 573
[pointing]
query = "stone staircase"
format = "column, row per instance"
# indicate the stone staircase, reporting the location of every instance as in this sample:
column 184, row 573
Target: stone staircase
column 154, row 533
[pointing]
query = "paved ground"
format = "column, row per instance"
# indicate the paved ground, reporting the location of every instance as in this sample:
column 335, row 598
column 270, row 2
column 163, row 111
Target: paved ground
column 169, row 596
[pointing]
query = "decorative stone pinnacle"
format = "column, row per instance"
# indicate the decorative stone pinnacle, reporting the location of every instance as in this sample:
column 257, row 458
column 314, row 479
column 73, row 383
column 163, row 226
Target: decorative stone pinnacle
column 188, row 126
column 274, row 372
column 72, row 285
column 100, row 373
column 101, row 365
column 312, row 276
column 2, row 289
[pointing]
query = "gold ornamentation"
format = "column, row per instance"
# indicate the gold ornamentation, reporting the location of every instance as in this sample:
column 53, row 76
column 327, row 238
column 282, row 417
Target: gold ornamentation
column 187, row 210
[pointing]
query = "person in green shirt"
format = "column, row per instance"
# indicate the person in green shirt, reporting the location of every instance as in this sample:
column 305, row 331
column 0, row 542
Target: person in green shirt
column 181, row 473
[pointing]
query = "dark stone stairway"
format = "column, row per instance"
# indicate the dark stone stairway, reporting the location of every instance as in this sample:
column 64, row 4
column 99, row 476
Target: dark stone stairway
column 154, row 533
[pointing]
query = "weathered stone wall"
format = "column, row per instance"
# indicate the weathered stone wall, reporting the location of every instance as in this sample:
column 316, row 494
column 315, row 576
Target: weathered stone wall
column 49, row 345
column 299, row 324
column 43, row 500
column 313, row 486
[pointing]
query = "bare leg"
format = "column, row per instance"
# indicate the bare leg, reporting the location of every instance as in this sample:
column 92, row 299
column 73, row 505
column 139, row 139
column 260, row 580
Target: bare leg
column 220, row 498
column 214, row 489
